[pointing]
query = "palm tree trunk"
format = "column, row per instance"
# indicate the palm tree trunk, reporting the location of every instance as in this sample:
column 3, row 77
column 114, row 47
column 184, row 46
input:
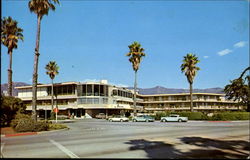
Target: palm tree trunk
column 191, row 97
column 52, row 96
column 35, row 75
column 10, row 75
column 135, row 86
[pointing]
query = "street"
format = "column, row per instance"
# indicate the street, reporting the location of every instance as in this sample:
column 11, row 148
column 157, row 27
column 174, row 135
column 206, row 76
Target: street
column 95, row 138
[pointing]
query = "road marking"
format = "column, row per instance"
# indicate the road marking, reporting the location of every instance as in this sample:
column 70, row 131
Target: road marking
column 2, row 144
column 65, row 150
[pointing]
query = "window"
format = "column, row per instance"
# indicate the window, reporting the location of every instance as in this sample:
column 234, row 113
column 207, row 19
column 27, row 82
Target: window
column 84, row 92
column 96, row 90
column 89, row 90
column 101, row 90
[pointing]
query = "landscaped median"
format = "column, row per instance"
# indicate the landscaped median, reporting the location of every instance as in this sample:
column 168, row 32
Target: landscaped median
column 24, row 125
column 10, row 132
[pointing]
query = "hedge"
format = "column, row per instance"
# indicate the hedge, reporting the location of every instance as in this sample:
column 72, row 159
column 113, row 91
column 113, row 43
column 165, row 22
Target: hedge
column 223, row 116
column 231, row 116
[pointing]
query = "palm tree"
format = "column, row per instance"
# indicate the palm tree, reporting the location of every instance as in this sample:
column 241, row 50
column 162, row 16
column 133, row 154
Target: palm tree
column 41, row 8
column 188, row 66
column 52, row 71
column 10, row 34
column 238, row 90
column 135, row 53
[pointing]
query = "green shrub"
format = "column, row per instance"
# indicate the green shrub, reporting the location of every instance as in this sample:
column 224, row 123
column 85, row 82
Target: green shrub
column 55, row 126
column 41, row 126
column 24, row 123
column 193, row 115
column 158, row 115
column 19, row 116
column 224, row 116
column 9, row 108
column 52, row 116
column 130, row 118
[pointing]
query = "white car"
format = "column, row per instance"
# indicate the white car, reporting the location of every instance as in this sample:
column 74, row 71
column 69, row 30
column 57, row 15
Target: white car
column 118, row 119
column 174, row 118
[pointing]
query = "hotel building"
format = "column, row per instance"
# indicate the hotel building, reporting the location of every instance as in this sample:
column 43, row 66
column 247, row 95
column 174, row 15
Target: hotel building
column 86, row 100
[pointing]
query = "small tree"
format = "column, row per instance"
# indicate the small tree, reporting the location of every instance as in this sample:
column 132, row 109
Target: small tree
column 9, row 107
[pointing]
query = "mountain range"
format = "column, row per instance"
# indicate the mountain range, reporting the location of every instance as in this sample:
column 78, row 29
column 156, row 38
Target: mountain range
column 143, row 91
column 163, row 90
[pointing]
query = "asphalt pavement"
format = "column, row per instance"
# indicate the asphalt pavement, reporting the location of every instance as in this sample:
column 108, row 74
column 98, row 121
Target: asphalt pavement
column 95, row 138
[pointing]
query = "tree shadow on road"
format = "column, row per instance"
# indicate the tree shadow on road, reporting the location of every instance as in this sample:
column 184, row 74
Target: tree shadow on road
column 194, row 148
column 154, row 149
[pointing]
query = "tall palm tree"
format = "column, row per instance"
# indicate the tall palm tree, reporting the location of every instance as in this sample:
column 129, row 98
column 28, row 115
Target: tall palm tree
column 135, row 53
column 52, row 71
column 10, row 34
column 41, row 8
column 188, row 66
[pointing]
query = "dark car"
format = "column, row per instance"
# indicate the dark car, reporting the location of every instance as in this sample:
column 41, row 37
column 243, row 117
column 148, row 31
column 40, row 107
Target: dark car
column 100, row 116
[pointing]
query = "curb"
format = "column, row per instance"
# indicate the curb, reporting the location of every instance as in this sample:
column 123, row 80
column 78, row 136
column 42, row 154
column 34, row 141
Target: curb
column 19, row 134
column 31, row 133
column 220, row 121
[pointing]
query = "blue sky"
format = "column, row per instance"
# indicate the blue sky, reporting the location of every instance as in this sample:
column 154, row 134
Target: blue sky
column 89, row 41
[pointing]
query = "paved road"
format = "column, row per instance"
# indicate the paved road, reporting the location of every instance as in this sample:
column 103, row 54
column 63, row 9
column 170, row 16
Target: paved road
column 91, row 138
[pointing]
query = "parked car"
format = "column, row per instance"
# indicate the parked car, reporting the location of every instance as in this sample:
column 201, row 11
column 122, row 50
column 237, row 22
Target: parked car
column 118, row 119
column 174, row 118
column 100, row 116
column 143, row 118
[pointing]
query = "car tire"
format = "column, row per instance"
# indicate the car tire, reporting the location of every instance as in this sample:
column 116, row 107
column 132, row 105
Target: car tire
column 134, row 120
column 121, row 120
column 164, row 120
column 110, row 120
column 147, row 120
column 179, row 120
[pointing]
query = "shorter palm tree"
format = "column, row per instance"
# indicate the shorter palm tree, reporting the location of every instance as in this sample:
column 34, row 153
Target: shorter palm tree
column 188, row 66
column 136, row 52
column 239, row 89
column 10, row 34
column 52, row 71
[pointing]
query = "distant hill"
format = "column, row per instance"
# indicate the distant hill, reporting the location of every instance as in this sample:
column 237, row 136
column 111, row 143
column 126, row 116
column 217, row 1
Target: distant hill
column 4, row 87
column 163, row 90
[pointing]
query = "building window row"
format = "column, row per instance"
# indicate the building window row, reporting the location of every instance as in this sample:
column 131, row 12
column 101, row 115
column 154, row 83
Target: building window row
column 92, row 101
column 92, row 90
column 62, row 90
column 122, row 93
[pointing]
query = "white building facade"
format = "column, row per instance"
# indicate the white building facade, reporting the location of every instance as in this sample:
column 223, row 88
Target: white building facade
column 86, row 100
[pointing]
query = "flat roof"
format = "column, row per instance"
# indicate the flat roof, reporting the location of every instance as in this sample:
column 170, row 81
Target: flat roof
column 179, row 94
column 46, row 85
